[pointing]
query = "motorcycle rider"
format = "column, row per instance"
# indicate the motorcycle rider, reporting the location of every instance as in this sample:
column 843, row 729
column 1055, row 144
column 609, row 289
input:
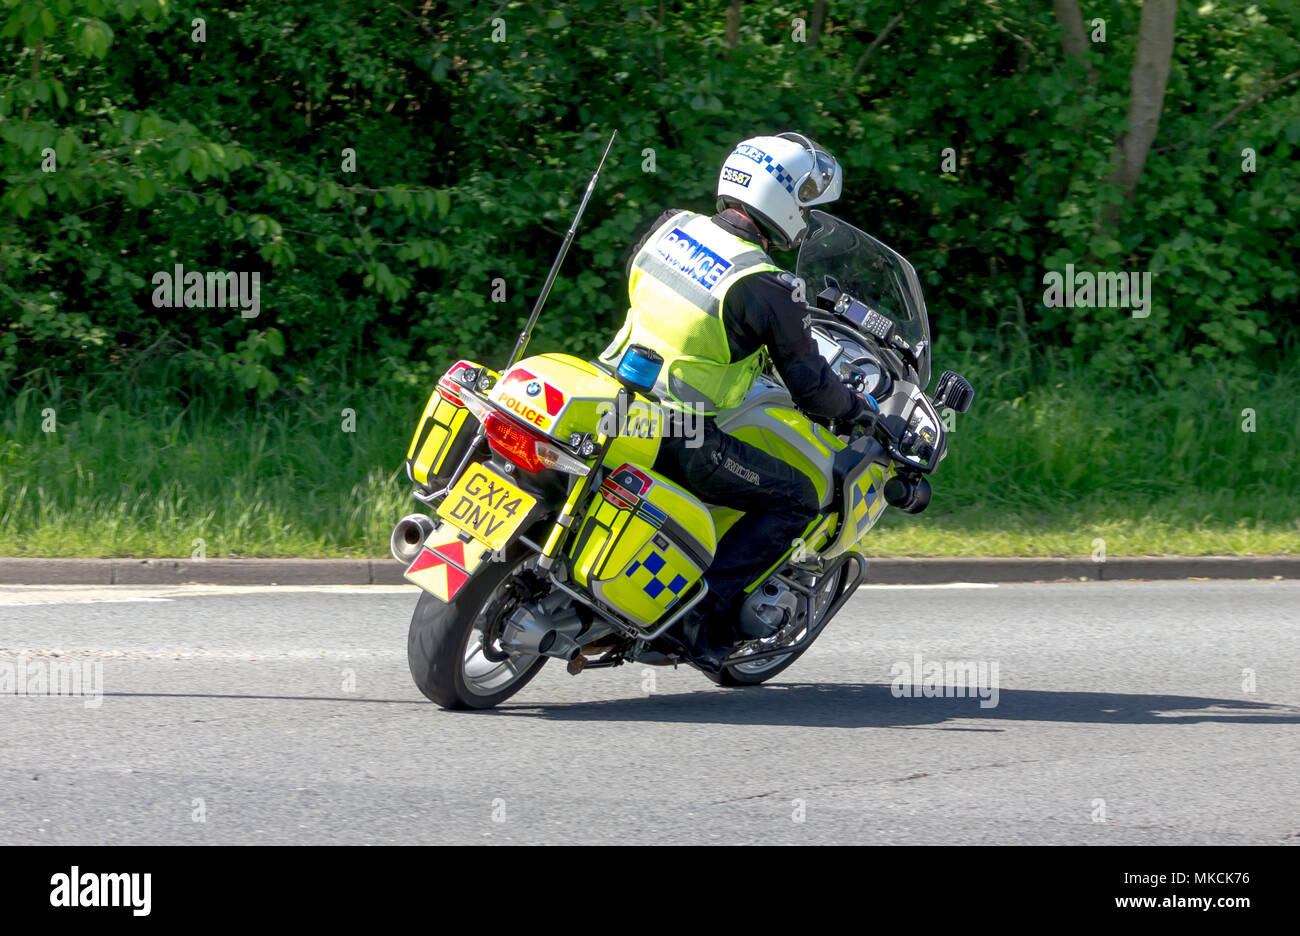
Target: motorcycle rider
column 707, row 297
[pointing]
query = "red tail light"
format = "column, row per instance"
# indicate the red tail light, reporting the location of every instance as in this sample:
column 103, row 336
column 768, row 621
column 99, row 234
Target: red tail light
column 513, row 441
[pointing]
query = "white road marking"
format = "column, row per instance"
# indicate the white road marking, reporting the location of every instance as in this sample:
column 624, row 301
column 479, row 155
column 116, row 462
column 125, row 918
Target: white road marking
column 31, row 595
column 88, row 594
column 61, row 601
column 245, row 654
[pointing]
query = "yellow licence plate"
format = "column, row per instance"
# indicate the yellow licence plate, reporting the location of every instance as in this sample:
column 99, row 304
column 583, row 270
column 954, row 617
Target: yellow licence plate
column 486, row 506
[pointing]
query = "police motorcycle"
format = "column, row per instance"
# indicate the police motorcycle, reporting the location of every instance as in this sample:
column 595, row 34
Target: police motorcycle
column 553, row 537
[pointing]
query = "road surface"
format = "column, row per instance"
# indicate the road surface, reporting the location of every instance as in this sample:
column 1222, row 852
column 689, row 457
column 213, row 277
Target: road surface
column 1125, row 712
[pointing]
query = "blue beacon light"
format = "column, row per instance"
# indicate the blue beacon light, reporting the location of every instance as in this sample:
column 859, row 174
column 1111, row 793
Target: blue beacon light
column 639, row 368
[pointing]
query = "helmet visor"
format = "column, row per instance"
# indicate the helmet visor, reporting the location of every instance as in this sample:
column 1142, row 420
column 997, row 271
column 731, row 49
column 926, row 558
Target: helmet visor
column 824, row 181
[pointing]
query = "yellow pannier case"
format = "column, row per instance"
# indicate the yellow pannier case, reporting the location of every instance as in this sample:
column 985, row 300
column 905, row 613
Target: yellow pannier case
column 644, row 544
column 444, row 433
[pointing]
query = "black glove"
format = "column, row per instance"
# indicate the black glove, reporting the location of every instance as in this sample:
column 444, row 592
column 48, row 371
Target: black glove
column 865, row 411
column 892, row 428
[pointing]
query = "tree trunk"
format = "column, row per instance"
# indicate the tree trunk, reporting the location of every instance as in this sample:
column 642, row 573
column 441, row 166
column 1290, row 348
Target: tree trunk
column 1075, row 37
column 1146, row 96
column 733, row 24
column 815, row 28
column 866, row 56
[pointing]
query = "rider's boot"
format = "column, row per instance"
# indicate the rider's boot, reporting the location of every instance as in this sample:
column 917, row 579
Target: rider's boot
column 695, row 632
column 695, row 635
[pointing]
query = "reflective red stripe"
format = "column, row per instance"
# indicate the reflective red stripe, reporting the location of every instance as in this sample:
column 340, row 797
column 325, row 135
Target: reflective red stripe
column 554, row 399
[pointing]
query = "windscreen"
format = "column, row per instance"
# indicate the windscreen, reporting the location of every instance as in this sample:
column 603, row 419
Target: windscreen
column 870, row 272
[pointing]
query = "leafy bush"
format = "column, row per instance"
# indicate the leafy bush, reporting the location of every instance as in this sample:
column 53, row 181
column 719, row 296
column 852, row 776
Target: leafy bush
column 470, row 155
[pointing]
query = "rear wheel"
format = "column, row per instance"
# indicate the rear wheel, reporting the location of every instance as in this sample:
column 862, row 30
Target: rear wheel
column 452, row 648
column 826, row 590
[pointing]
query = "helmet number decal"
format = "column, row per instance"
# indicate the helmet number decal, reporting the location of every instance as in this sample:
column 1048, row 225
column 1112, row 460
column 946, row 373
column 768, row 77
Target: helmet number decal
column 735, row 175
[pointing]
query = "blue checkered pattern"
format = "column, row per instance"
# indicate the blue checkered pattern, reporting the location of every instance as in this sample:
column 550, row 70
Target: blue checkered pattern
column 654, row 564
column 861, row 510
column 778, row 170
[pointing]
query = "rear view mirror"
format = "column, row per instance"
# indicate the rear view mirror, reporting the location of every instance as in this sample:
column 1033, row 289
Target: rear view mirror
column 954, row 392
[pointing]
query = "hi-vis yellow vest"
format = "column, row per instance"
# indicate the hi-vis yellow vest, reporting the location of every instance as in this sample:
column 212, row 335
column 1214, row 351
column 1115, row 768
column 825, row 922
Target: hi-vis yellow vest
column 678, row 283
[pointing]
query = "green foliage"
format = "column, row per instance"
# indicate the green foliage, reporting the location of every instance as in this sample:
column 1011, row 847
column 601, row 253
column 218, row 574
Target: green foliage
column 161, row 152
column 470, row 155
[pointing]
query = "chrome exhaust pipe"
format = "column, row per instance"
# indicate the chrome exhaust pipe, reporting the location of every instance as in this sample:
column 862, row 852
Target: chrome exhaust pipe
column 561, row 646
column 409, row 536
column 543, row 635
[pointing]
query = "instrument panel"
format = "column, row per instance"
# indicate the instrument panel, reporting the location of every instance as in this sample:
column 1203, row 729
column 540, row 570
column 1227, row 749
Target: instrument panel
column 921, row 439
column 856, row 364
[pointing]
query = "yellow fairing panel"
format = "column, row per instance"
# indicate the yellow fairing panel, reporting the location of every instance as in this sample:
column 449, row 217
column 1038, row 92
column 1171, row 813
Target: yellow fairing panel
column 444, row 431
column 797, row 441
column 864, row 501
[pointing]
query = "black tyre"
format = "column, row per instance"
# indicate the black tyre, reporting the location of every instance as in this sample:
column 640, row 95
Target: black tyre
column 450, row 661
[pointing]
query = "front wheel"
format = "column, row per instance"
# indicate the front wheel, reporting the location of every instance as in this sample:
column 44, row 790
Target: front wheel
column 452, row 647
column 760, row 671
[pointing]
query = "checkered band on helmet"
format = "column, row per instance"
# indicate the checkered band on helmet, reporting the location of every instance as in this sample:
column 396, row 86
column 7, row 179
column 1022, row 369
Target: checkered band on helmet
column 778, row 170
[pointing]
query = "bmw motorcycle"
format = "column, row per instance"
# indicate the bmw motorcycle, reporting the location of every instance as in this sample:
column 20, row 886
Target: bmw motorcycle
column 551, row 536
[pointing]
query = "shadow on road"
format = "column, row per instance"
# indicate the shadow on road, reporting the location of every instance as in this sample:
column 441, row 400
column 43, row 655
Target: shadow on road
column 865, row 705
column 812, row 705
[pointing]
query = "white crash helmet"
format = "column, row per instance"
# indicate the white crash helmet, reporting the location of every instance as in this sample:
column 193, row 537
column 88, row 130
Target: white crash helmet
column 776, row 179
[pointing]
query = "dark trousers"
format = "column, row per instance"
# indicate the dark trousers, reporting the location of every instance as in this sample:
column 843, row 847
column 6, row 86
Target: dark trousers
column 778, row 501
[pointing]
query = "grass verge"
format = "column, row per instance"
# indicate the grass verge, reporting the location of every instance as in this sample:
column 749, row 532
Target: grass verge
column 117, row 469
